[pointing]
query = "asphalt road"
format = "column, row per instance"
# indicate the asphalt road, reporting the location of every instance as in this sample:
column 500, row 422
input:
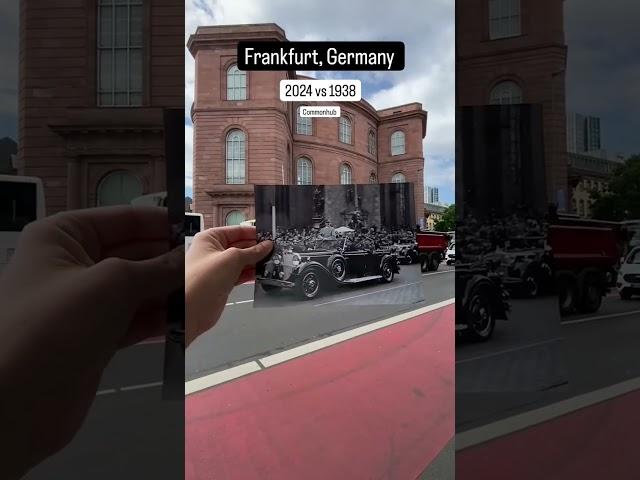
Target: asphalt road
column 537, row 358
column 245, row 332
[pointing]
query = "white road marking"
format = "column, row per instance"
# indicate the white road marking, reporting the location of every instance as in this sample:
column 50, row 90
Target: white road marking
column 365, row 294
column 217, row 378
column 519, row 422
column 229, row 304
column 295, row 352
column 599, row 317
column 436, row 273
column 106, row 391
column 508, row 350
column 141, row 386
column 244, row 301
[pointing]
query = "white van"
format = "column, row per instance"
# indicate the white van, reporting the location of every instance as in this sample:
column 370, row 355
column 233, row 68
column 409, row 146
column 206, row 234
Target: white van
column 21, row 202
column 193, row 223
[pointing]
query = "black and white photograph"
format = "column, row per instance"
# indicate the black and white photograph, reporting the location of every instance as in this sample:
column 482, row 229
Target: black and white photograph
column 354, row 244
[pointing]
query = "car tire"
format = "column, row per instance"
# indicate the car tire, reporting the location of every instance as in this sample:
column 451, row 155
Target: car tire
column 413, row 257
column 309, row 284
column 479, row 316
column 531, row 285
column 567, row 287
column 337, row 267
column 625, row 294
column 591, row 295
column 387, row 272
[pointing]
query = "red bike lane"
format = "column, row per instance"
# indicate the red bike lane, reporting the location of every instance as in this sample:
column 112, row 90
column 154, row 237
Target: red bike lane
column 377, row 405
column 594, row 443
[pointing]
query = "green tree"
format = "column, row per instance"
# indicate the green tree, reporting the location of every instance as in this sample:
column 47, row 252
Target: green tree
column 621, row 201
column 448, row 221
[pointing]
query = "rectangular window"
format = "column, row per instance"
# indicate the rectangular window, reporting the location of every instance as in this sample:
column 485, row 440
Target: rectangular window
column 120, row 52
column 504, row 19
column 18, row 205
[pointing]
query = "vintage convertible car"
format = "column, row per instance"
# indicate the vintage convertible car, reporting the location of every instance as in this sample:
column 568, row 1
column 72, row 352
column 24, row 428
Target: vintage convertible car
column 330, row 263
column 407, row 251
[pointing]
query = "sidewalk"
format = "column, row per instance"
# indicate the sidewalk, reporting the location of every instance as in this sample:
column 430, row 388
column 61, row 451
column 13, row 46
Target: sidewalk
column 378, row 405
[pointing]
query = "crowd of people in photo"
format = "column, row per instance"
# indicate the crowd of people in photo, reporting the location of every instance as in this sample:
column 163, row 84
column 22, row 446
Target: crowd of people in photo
column 482, row 237
column 328, row 236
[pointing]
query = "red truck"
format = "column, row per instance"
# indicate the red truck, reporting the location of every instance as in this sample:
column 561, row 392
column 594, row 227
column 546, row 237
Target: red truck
column 432, row 247
column 585, row 256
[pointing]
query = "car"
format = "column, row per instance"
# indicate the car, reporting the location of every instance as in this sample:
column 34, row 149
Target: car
column 450, row 256
column 407, row 252
column 482, row 300
column 628, row 281
column 329, row 263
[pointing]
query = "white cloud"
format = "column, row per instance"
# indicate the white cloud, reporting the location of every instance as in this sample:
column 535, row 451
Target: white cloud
column 426, row 28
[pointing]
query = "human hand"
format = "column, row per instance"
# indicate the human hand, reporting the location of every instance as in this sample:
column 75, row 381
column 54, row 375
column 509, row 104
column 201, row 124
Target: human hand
column 80, row 285
column 218, row 260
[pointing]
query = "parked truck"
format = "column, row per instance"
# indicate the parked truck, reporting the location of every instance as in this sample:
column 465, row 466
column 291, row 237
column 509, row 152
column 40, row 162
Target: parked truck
column 432, row 248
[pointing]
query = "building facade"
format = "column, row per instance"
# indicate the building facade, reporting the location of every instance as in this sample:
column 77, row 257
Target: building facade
column 95, row 76
column 514, row 52
column 589, row 173
column 244, row 135
column 433, row 214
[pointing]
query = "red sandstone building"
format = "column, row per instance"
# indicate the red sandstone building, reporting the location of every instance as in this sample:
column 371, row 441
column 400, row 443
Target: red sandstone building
column 514, row 52
column 244, row 134
column 95, row 76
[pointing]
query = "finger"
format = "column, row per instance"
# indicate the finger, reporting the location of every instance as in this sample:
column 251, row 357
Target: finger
column 247, row 275
column 227, row 236
column 252, row 255
column 98, row 230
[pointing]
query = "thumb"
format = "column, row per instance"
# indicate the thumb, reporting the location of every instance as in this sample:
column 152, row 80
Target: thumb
column 156, row 277
column 252, row 255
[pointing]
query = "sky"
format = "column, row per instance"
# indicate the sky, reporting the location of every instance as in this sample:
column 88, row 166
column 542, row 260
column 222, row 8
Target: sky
column 9, row 70
column 426, row 28
column 603, row 68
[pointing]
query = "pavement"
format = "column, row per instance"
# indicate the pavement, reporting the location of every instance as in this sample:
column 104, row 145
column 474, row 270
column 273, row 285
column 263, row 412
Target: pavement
column 245, row 333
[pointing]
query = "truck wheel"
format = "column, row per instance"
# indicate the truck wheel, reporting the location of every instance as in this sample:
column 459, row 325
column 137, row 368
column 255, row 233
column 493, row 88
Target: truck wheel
column 424, row 263
column 567, row 293
column 387, row 272
column 270, row 288
column 434, row 262
column 591, row 297
column 309, row 284
column 479, row 316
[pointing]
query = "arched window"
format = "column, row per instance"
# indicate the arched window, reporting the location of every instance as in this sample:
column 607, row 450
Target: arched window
column 504, row 18
column 345, row 130
column 345, row 174
column 304, row 125
column 236, row 84
column 398, row 178
column 305, row 171
column 397, row 143
column 506, row 93
column 372, row 142
column 372, row 178
column 235, row 154
column 118, row 188
column 234, row 217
